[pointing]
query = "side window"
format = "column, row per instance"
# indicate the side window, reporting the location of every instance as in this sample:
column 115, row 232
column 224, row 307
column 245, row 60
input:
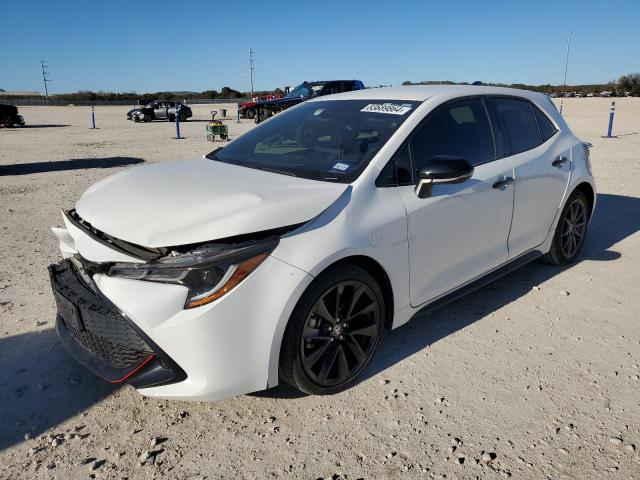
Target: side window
column 519, row 126
column 547, row 129
column 348, row 85
column 331, row 88
column 459, row 130
column 398, row 171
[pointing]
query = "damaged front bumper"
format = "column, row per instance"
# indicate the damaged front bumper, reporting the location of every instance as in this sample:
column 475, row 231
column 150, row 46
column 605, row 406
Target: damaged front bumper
column 139, row 332
column 97, row 334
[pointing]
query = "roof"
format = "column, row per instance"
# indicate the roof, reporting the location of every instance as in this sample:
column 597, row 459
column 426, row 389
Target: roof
column 422, row 92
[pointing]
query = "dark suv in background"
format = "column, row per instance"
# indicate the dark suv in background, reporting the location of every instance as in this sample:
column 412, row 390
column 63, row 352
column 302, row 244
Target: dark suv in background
column 9, row 116
column 303, row 92
column 159, row 110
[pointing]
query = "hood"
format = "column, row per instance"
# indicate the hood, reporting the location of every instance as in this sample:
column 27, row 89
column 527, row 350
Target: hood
column 192, row 201
column 278, row 102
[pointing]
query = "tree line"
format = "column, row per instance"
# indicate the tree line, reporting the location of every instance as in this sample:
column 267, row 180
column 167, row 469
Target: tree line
column 88, row 95
column 626, row 83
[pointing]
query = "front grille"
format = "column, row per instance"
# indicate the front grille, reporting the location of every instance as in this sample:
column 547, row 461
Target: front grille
column 94, row 322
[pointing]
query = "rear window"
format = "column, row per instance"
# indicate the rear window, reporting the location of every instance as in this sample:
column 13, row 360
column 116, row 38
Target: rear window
column 518, row 123
column 547, row 129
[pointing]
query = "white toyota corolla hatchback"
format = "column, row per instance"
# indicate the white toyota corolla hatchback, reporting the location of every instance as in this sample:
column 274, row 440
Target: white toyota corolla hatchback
column 283, row 255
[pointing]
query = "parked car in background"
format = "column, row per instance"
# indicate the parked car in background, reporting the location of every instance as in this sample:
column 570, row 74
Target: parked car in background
column 283, row 255
column 159, row 110
column 248, row 110
column 9, row 116
column 302, row 93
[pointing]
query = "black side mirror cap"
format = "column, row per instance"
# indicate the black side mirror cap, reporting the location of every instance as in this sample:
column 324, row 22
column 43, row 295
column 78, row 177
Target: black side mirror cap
column 442, row 169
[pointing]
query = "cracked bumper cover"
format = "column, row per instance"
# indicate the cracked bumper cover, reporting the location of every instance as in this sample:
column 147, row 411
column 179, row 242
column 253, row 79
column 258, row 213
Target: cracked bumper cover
column 101, row 337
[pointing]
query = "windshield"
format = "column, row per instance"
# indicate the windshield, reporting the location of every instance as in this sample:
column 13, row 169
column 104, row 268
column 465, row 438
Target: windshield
column 331, row 140
column 301, row 90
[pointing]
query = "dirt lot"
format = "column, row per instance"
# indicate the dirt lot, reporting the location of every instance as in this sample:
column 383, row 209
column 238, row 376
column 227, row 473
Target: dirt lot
column 536, row 376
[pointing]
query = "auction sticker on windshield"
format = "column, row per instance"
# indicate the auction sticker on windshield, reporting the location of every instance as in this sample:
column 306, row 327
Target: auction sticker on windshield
column 390, row 108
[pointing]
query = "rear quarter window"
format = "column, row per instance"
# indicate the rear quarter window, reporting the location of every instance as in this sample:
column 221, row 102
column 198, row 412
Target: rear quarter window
column 547, row 129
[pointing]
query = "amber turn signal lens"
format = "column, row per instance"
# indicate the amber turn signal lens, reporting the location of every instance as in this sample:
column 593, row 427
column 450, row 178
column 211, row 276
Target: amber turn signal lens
column 242, row 271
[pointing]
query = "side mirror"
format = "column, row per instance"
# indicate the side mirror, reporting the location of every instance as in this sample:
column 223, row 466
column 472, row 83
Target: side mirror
column 442, row 169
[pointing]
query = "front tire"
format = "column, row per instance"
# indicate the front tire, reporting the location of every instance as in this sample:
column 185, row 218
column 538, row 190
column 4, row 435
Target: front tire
column 333, row 331
column 250, row 113
column 571, row 231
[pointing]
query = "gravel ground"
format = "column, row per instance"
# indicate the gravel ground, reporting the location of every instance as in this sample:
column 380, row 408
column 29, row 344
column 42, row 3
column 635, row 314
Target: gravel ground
column 535, row 376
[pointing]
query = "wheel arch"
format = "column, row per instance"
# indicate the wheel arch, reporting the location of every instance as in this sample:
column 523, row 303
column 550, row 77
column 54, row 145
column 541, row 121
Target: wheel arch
column 378, row 272
column 589, row 192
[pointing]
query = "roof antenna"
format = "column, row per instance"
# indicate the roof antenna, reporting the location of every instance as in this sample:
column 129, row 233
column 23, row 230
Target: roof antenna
column 566, row 64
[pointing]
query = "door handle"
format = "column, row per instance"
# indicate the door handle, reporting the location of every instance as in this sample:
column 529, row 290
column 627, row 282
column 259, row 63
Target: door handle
column 559, row 162
column 505, row 182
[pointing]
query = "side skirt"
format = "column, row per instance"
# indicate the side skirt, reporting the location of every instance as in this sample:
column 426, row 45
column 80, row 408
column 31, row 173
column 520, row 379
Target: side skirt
column 478, row 283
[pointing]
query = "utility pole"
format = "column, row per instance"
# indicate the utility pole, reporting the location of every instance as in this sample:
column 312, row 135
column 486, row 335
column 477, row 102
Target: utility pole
column 44, row 78
column 251, row 69
column 566, row 65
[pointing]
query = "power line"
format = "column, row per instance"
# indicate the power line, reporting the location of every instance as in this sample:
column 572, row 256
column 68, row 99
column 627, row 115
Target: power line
column 251, row 69
column 45, row 80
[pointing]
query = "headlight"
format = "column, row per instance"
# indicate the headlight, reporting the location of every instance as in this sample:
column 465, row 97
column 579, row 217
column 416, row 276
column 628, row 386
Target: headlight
column 208, row 271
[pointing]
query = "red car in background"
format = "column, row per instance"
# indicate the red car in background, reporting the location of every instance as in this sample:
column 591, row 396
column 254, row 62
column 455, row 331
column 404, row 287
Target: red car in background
column 247, row 109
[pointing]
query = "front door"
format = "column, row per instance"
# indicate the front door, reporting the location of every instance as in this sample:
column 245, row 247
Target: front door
column 160, row 110
column 461, row 230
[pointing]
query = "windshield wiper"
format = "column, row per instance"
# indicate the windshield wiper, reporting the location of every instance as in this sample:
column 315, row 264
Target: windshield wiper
column 272, row 170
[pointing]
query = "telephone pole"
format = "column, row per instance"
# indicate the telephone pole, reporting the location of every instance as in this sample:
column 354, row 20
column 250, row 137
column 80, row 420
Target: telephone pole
column 45, row 80
column 251, row 69
column 566, row 65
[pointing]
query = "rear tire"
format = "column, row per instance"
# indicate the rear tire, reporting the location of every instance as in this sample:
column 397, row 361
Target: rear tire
column 571, row 231
column 250, row 113
column 333, row 331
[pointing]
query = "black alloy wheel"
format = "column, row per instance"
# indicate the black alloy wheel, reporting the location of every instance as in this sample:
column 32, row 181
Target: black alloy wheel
column 574, row 227
column 571, row 231
column 340, row 333
column 333, row 331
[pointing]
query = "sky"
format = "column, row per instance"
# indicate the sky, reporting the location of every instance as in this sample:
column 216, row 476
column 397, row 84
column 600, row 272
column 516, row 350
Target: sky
column 148, row 46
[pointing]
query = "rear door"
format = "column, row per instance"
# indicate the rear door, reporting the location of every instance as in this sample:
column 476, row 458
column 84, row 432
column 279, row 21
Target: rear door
column 461, row 230
column 542, row 164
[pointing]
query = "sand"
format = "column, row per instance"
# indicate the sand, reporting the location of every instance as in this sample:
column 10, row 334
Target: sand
column 535, row 376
